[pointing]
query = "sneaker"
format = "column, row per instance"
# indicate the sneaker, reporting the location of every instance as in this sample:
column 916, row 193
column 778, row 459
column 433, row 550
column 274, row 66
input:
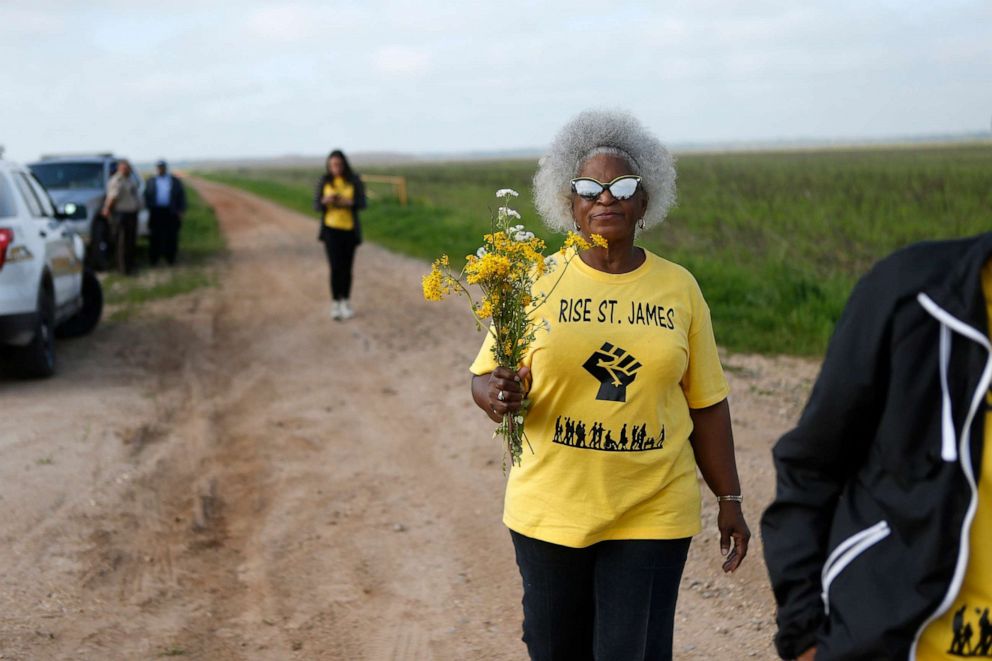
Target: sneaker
column 346, row 311
column 336, row 312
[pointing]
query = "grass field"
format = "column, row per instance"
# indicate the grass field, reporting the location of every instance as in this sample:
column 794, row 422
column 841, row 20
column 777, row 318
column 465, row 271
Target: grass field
column 199, row 240
column 776, row 240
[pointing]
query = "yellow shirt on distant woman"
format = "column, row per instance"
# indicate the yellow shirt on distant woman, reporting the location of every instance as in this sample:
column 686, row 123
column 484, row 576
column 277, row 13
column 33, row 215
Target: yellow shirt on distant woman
column 626, row 358
column 340, row 218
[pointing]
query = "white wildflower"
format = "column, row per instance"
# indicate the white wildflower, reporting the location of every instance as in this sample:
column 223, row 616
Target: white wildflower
column 507, row 192
column 519, row 419
column 523, row 236
column 550, row 262
column 507, row 212
column 481, row 252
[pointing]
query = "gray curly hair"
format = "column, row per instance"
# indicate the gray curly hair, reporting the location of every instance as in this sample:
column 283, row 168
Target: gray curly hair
column 595, row 132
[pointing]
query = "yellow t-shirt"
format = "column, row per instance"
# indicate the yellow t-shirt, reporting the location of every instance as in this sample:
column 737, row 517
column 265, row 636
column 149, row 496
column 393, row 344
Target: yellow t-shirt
column 626, row 357
column 965, row 630
column 340, row 218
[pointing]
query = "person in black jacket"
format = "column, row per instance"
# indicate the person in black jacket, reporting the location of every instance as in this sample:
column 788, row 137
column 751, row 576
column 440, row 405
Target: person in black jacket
column 165, row 200
column 338, row 197
column 877, row 540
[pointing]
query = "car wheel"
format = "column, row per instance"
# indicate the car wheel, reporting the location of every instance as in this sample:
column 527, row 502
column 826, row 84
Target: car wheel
column 37, row 359
column 88, row 315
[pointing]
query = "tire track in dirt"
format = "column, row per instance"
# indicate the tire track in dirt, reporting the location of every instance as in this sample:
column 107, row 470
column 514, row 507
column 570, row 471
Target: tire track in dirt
column 354, row 589
column 295, row 487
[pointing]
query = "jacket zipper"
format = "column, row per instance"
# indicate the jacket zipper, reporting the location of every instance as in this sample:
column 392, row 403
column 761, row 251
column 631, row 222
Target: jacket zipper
column 846, row 552
column 949, row 322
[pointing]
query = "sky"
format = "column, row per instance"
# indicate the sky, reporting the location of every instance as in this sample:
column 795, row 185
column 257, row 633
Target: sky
column 198, row 79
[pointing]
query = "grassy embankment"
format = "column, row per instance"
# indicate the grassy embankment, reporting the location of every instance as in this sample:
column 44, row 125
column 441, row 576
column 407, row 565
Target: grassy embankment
column 776, row 240
column 199, row 240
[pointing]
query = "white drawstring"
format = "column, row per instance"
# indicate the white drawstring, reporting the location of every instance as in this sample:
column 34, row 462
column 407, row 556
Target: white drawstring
column 948, row 445
column 948, row 322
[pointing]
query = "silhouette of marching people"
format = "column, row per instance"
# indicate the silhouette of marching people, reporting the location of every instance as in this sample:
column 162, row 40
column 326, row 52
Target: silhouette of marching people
column 961, row 644
column 575, row 433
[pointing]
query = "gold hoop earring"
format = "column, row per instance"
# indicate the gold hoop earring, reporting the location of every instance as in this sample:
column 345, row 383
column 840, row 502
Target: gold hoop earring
column 577, row 228
column 640, row 223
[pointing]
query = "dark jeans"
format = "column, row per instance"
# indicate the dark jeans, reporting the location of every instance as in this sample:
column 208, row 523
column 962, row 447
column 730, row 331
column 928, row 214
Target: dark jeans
column 612, row 601
column 163, row 235
column 340, row 247
column 125, row 230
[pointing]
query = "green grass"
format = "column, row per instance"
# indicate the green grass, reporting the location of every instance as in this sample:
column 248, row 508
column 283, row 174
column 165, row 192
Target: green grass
column 199, row 241
column 777, row 240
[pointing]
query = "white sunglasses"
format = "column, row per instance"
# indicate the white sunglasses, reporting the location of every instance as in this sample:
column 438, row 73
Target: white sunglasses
column 622, row 188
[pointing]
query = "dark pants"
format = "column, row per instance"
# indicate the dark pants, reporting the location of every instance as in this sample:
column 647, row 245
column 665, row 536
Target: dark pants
column 100, row 251
column 612, row 601
column 125, row 230
column 163, row 235
column 340, row 247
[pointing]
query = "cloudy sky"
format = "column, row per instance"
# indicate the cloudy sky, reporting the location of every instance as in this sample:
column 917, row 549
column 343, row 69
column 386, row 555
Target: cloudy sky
column 191, row 79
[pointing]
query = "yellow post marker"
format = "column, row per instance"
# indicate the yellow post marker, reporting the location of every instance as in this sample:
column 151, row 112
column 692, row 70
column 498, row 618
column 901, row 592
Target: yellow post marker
column 398, row 184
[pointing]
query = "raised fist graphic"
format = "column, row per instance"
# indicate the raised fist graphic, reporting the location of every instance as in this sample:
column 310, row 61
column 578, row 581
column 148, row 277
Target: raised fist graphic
column 615, row 369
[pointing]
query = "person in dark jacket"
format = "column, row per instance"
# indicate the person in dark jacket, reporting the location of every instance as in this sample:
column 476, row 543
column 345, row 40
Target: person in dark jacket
column 165, row 200
column 877, row 542
column 339, row 196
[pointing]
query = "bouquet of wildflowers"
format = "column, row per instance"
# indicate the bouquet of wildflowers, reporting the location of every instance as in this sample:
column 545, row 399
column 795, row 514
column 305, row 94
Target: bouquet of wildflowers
column 505, row 269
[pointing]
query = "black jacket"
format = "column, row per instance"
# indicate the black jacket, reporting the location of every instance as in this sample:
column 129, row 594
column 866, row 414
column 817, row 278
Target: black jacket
column 177, row 196
column 319, row 206
column 867, row 539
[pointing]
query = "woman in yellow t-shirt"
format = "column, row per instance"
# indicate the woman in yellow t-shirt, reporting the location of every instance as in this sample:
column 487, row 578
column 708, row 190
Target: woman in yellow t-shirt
column 338, row 197
column 627, row 399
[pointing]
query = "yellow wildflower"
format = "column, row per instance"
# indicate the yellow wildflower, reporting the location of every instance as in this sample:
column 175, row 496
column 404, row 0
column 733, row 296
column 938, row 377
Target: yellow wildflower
column 433, row 284
column 576, row 241
column 598, row 240
column 490, row 267
column 506, row 268
column 485, row 310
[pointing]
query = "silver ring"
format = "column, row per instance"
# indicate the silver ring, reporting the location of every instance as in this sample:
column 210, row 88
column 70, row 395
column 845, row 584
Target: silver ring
column 501, row 397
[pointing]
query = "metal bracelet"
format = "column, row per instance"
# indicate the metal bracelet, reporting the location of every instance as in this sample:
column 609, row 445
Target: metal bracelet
column 733, row 499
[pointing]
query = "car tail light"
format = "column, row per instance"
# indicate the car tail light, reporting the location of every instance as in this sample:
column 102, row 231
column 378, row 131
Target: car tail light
column 6, row 238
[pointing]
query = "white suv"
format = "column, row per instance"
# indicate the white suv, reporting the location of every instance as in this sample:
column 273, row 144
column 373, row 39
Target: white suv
column 44, row 287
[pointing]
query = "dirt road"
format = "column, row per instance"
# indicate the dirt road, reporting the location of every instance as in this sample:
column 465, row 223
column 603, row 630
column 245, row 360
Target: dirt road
column 233, row 475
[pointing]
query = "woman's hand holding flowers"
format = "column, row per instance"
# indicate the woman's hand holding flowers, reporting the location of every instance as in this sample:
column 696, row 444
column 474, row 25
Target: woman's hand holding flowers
column 506, row 391
column 506, row 268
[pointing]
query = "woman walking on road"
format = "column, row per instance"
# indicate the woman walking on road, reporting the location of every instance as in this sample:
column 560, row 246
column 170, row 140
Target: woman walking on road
column 627, row 399
column 338, row 197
